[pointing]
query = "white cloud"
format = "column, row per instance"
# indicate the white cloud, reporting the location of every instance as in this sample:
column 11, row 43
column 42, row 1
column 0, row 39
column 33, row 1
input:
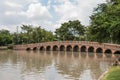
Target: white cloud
column 32, row 1
column 67, row 11
column 50, row 16
column 13, row 4
column 38, row 11
column 30, row 13
column 81, row 10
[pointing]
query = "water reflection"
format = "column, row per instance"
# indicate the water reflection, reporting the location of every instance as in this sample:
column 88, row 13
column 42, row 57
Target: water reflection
column 36, row 65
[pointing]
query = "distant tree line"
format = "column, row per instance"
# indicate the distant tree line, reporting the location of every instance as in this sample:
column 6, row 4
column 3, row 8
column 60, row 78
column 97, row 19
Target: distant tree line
column 29, row 34
column 104, row 27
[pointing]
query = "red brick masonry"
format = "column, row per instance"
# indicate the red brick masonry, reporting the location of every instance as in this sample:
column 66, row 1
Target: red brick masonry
column 71, row 46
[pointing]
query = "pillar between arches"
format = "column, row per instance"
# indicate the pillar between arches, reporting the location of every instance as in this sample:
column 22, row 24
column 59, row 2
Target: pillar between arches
column 72, row 47
column 58, row 47
column 113, row 51
column 65, row 47
column 104, row 50
column 87, row 48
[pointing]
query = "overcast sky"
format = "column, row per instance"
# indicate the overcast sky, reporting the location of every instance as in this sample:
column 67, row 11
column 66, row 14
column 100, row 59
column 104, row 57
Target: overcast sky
column 49, row 14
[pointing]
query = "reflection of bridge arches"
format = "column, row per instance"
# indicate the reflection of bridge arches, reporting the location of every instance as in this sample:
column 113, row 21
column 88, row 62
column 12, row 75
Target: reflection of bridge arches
column 76, row 48
column 42, row 48
column 83, row 49
column 62, row 48
column 91, row 49
column 108, row 51
column 69, row 48
column 117, row 52
column 55, row 48
column 99, row 50
column 48, row 48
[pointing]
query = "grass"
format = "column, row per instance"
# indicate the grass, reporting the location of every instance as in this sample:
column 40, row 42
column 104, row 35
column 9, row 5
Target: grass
column 113, row 74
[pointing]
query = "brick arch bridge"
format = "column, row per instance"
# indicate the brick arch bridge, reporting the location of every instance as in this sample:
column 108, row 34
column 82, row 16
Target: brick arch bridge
column 82, row 46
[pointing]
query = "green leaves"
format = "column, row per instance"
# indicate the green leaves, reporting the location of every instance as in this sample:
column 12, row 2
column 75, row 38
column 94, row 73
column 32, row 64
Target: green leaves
column 105, row 22
column 5, row 37
column 70, row 30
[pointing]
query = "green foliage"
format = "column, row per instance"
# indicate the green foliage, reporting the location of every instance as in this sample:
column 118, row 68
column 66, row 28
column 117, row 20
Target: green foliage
column 32, row 34
column 113, row 74
column 5, row 37
column 71, row 30
column 105, row 22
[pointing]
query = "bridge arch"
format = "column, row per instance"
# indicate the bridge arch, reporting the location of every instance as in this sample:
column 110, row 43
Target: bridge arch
column 117, row 52
column 55, row 48
column 42, row 48
column 91, row 49
column 62, row 48
column 108, row 51
column 28, row 49
column 69, row 48
column 83, row 48
column 76, row 48
column 35, row 48
column 48, row 48
column 99, row 50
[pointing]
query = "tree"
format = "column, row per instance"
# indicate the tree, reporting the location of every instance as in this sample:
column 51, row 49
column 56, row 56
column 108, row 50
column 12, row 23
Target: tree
column 32, row 34
column 71, row 30
column 5, row 37
column 105, row 22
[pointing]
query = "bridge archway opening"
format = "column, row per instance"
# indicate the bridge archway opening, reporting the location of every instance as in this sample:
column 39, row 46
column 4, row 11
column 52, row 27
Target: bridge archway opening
column 42, row 48
column 28, row 49
column 91, row 49
column 76, row 48
column 117, row 52
column 108, row 51
column 99, row 50
column 48, row 48
column 35, row 48
column 83, row 49
column 55, row 48
column 69, row 48
column 62, row 48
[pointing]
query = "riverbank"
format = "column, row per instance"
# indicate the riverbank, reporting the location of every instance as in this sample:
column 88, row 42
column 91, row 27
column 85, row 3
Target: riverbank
column 3, row 47
column 6, row 47
column 112, row 74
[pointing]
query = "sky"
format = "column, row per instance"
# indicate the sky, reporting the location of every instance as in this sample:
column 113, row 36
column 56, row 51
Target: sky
column 49, row 14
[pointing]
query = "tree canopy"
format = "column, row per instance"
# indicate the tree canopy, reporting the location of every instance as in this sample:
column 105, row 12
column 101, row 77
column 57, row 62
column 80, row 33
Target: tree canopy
column 105, row 22
column 71, row 30
column 5, row 37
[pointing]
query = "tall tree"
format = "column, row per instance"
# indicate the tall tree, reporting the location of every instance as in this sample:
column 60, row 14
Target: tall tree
column 105, row 22
column 71, row 30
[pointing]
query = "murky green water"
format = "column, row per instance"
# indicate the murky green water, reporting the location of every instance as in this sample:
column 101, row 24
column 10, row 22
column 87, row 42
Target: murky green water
column 23, row 65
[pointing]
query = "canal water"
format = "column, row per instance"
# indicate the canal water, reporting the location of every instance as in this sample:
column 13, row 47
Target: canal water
column 24, row 65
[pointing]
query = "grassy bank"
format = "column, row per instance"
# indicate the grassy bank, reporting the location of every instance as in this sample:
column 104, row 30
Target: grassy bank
column 3, row 47
column 6, row 47
column 113, row 74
